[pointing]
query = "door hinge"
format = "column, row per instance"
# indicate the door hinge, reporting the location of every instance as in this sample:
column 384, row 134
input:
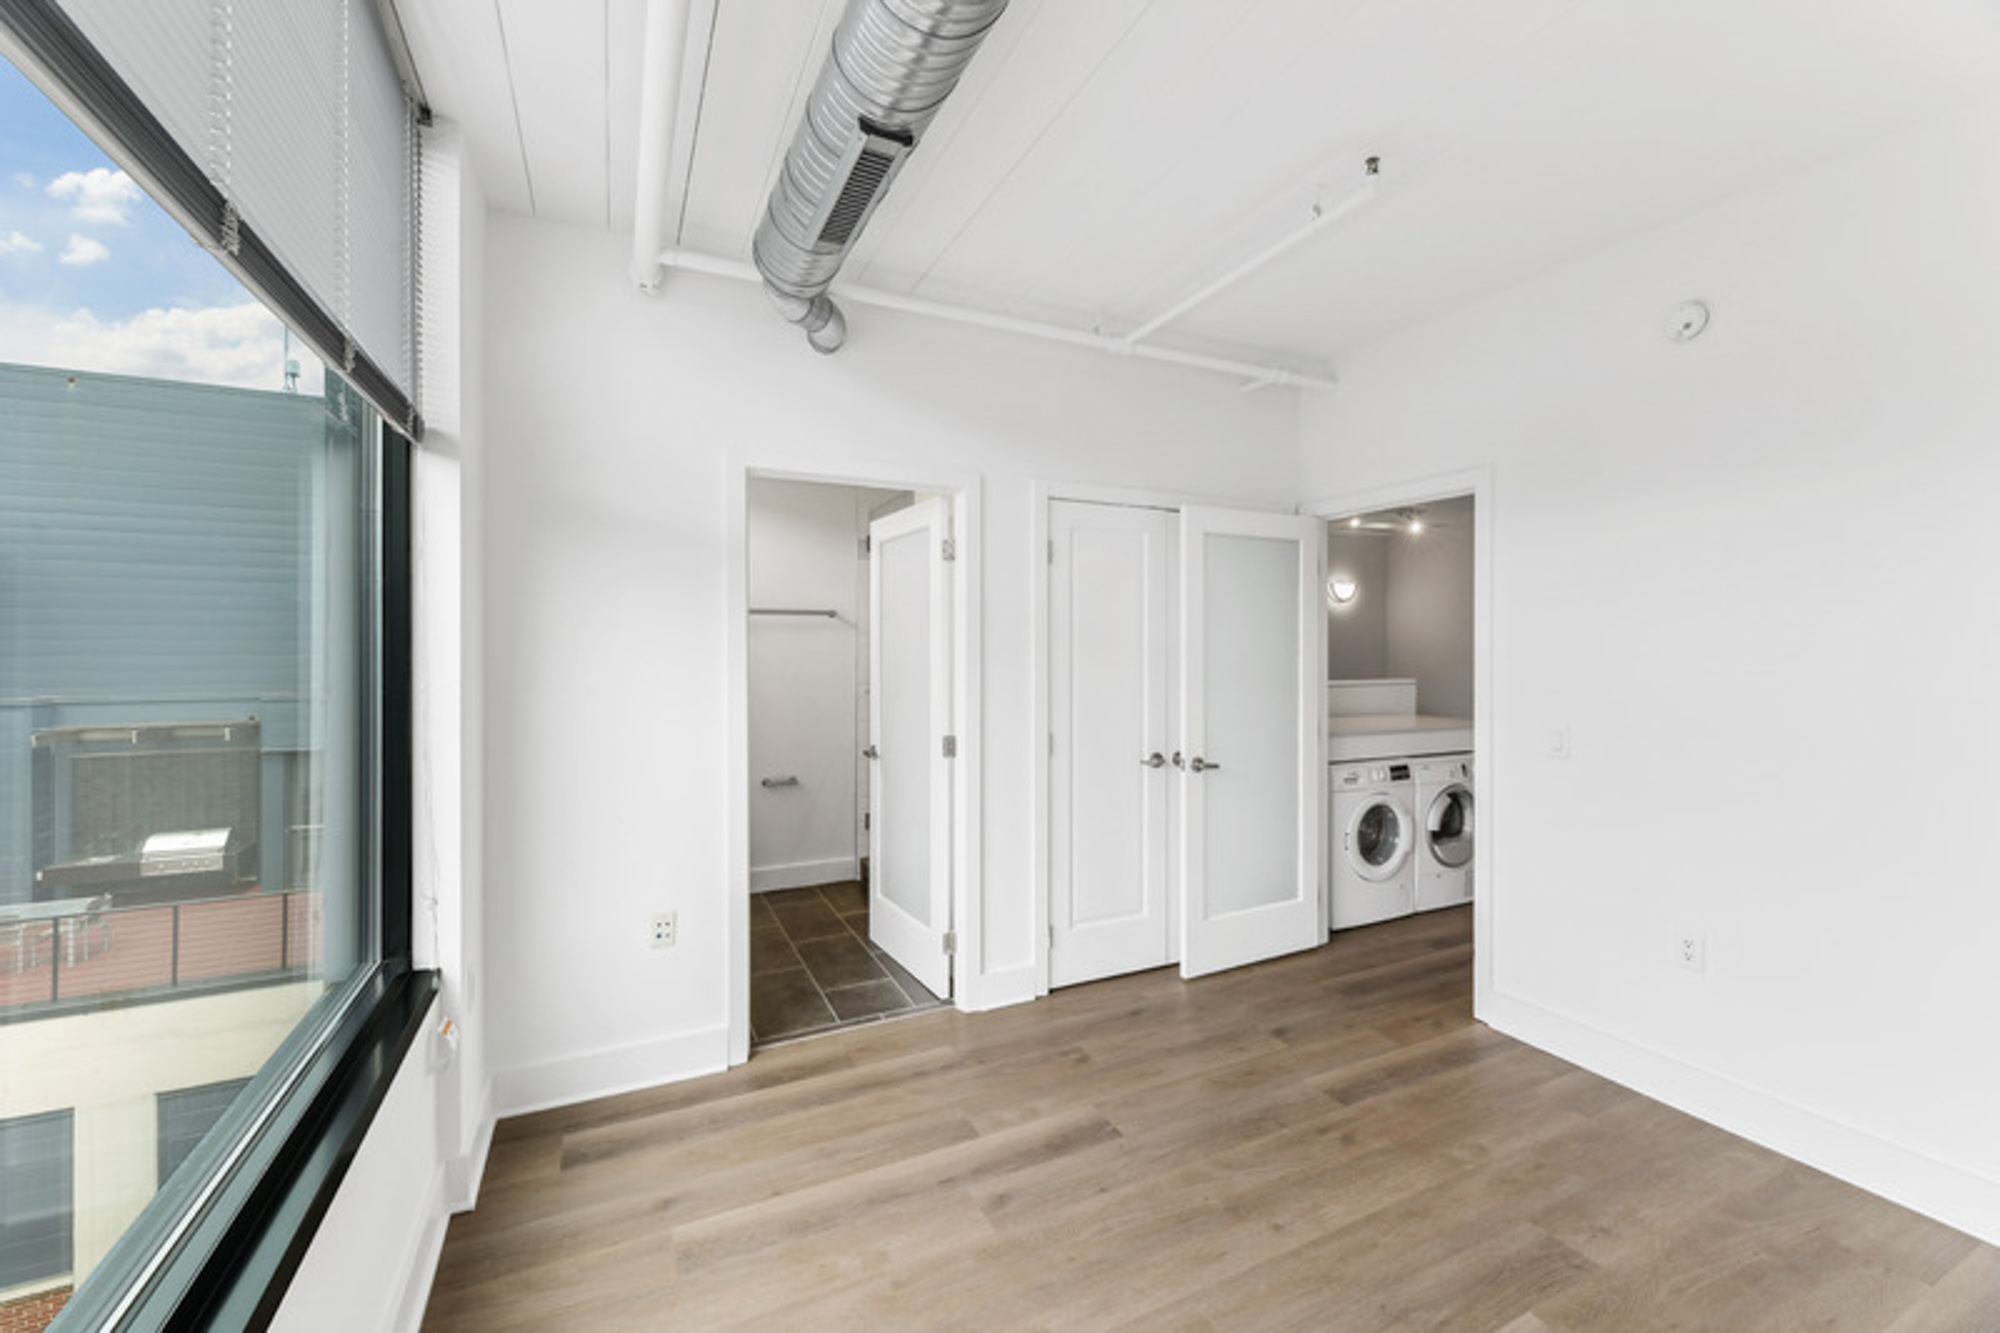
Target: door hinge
column 1052, row 550
column 950, row 551
column 866, row 544
column 867, row 821
column 951, row 747
column 950, row 943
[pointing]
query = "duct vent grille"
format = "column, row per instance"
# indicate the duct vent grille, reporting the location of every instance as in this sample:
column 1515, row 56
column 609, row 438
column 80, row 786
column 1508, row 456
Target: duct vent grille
column 864, row 183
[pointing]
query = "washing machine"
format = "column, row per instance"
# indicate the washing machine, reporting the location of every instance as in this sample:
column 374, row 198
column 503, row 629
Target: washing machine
column 1374, row 842
column 1444, row 830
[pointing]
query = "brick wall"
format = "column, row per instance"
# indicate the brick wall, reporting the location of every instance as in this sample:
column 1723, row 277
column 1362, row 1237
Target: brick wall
column 31, row 1314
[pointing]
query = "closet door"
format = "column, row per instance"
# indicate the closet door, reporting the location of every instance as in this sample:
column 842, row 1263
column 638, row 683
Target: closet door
column 1252, row 657
column 1109, row 779
column 909, row 644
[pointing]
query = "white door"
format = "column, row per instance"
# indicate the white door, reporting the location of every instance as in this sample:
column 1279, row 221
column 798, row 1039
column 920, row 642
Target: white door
column 909, row 707
column 1109, row 780
column 1252, row 654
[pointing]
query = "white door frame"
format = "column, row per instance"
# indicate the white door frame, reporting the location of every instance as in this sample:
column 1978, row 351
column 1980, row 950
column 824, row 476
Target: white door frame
column 1046, row 493
column 963, row 489
column 1477, row 483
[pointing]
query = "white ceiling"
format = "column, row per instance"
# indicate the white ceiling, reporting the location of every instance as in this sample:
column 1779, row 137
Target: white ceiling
column 1103, row 158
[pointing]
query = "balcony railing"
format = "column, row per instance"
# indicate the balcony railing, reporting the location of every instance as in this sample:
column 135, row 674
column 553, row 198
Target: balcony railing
column 87, row 953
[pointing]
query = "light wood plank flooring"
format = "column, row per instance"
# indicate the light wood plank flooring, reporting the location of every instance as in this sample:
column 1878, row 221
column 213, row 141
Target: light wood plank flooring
column 1321, row 1142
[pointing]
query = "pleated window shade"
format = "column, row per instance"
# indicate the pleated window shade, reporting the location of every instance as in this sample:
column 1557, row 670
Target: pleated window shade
column 294, row 111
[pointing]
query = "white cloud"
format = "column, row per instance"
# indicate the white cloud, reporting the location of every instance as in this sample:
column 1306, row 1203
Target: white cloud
column 98, row 196
column 24, row 180
column 14, row 243
column 82, row 251
column 240, row 345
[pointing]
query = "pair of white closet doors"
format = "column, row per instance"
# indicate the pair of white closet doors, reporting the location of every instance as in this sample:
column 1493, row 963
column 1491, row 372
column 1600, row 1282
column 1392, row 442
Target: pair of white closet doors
column 1185, row 659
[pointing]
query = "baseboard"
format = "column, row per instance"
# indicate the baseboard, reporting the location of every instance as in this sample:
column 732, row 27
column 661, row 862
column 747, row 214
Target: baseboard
column 606, row 1073
column 421, row 1267
column 1950, row 1194
column 462, row 1174
column 800, row 874
column 998, row 990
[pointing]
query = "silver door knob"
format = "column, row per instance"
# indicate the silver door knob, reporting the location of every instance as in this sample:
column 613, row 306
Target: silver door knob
column 871, row 753
column 1200, row 765
column 1154, row 760
column 1178, row 761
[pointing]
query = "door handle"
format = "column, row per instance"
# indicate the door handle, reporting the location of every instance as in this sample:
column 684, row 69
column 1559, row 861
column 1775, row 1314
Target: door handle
column 1154, row 760
column 1200, row 765
column 871, row 753
column 1178, row 761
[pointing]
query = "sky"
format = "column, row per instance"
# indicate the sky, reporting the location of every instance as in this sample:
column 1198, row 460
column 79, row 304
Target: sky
column 95, row 276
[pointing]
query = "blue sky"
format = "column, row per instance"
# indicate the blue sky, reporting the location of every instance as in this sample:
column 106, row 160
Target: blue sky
column 95, row 276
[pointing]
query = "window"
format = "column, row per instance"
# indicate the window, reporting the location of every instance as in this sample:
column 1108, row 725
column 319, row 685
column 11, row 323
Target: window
column 35, row 1191
column 186, row 1115
column 203, row 742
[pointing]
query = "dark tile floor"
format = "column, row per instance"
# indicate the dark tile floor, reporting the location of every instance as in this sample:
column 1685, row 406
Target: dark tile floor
column 813, row 969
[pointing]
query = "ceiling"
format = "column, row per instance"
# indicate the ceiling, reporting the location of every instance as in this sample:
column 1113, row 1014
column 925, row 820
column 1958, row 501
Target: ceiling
column 1103, row 158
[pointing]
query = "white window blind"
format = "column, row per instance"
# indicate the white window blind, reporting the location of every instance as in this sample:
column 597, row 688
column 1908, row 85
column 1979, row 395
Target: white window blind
column 295, row 112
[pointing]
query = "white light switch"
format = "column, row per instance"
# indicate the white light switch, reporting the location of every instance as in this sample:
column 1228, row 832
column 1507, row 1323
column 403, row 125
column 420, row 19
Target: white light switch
column 1558, row 742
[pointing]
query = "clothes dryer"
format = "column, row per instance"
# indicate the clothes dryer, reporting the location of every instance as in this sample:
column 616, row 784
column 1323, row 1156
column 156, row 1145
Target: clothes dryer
column 1444, row 831
column 1373, row 875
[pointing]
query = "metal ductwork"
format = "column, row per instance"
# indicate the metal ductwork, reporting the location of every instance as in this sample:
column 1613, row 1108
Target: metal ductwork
column 892, row 64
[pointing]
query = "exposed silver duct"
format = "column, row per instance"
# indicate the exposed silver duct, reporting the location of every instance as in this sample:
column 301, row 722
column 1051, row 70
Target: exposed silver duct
column 892, row 64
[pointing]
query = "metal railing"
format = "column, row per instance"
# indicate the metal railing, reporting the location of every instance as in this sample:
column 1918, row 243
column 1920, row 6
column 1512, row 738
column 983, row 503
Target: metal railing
column 91, row 952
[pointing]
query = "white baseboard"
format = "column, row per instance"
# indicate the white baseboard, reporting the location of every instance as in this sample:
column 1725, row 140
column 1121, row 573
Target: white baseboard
column 462, row 1174
column 1950, row 1194
column 998, row 990
column 799, row 874
column 606, row 1073
column 422, row 1262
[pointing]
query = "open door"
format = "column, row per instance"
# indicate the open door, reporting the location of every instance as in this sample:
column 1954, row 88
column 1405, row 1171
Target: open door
column 910, row 740
column 1251, row 645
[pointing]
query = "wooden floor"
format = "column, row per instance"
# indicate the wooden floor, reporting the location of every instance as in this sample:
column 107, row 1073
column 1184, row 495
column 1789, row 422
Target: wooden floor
column 1322, row 1142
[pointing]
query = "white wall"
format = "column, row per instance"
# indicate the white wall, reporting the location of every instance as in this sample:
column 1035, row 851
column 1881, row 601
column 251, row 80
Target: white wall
column 1357, row 632
column 808, row 701
column 617, row 422
column 1427, row 625
column 1749, row 575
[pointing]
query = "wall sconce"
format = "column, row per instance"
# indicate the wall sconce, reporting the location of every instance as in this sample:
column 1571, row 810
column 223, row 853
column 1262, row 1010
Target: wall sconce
column 1340, row 591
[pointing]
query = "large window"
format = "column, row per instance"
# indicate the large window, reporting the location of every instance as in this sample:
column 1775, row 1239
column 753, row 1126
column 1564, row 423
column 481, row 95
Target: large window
column 201, row 783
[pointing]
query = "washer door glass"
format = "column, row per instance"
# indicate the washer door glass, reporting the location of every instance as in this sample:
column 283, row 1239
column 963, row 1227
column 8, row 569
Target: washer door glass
column 1378, row 836
column 1448, row 827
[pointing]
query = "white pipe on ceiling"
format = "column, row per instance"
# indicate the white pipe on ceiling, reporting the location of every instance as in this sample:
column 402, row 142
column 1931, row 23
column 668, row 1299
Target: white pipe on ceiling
column 659, row 104
column 1318, row 222
column 1255, row 375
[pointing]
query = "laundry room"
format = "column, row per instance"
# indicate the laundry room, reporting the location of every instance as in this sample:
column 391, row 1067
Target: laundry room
column 1401, row 771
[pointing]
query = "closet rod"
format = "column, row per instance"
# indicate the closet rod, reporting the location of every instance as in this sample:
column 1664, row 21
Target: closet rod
column 788, row 611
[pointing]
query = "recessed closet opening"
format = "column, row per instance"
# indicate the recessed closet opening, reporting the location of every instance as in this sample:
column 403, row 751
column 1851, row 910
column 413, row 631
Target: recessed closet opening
column 848, row 698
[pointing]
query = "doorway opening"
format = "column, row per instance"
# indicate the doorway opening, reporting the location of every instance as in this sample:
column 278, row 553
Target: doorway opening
column 848, row 710
column 1404, row 676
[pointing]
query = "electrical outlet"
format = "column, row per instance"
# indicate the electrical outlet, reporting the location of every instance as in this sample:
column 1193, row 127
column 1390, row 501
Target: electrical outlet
column 1691, row 951
column 664, row 930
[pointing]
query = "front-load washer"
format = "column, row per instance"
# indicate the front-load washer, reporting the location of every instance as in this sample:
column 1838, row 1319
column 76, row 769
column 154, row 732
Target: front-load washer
column 1374, row 840
column 1444, row 831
